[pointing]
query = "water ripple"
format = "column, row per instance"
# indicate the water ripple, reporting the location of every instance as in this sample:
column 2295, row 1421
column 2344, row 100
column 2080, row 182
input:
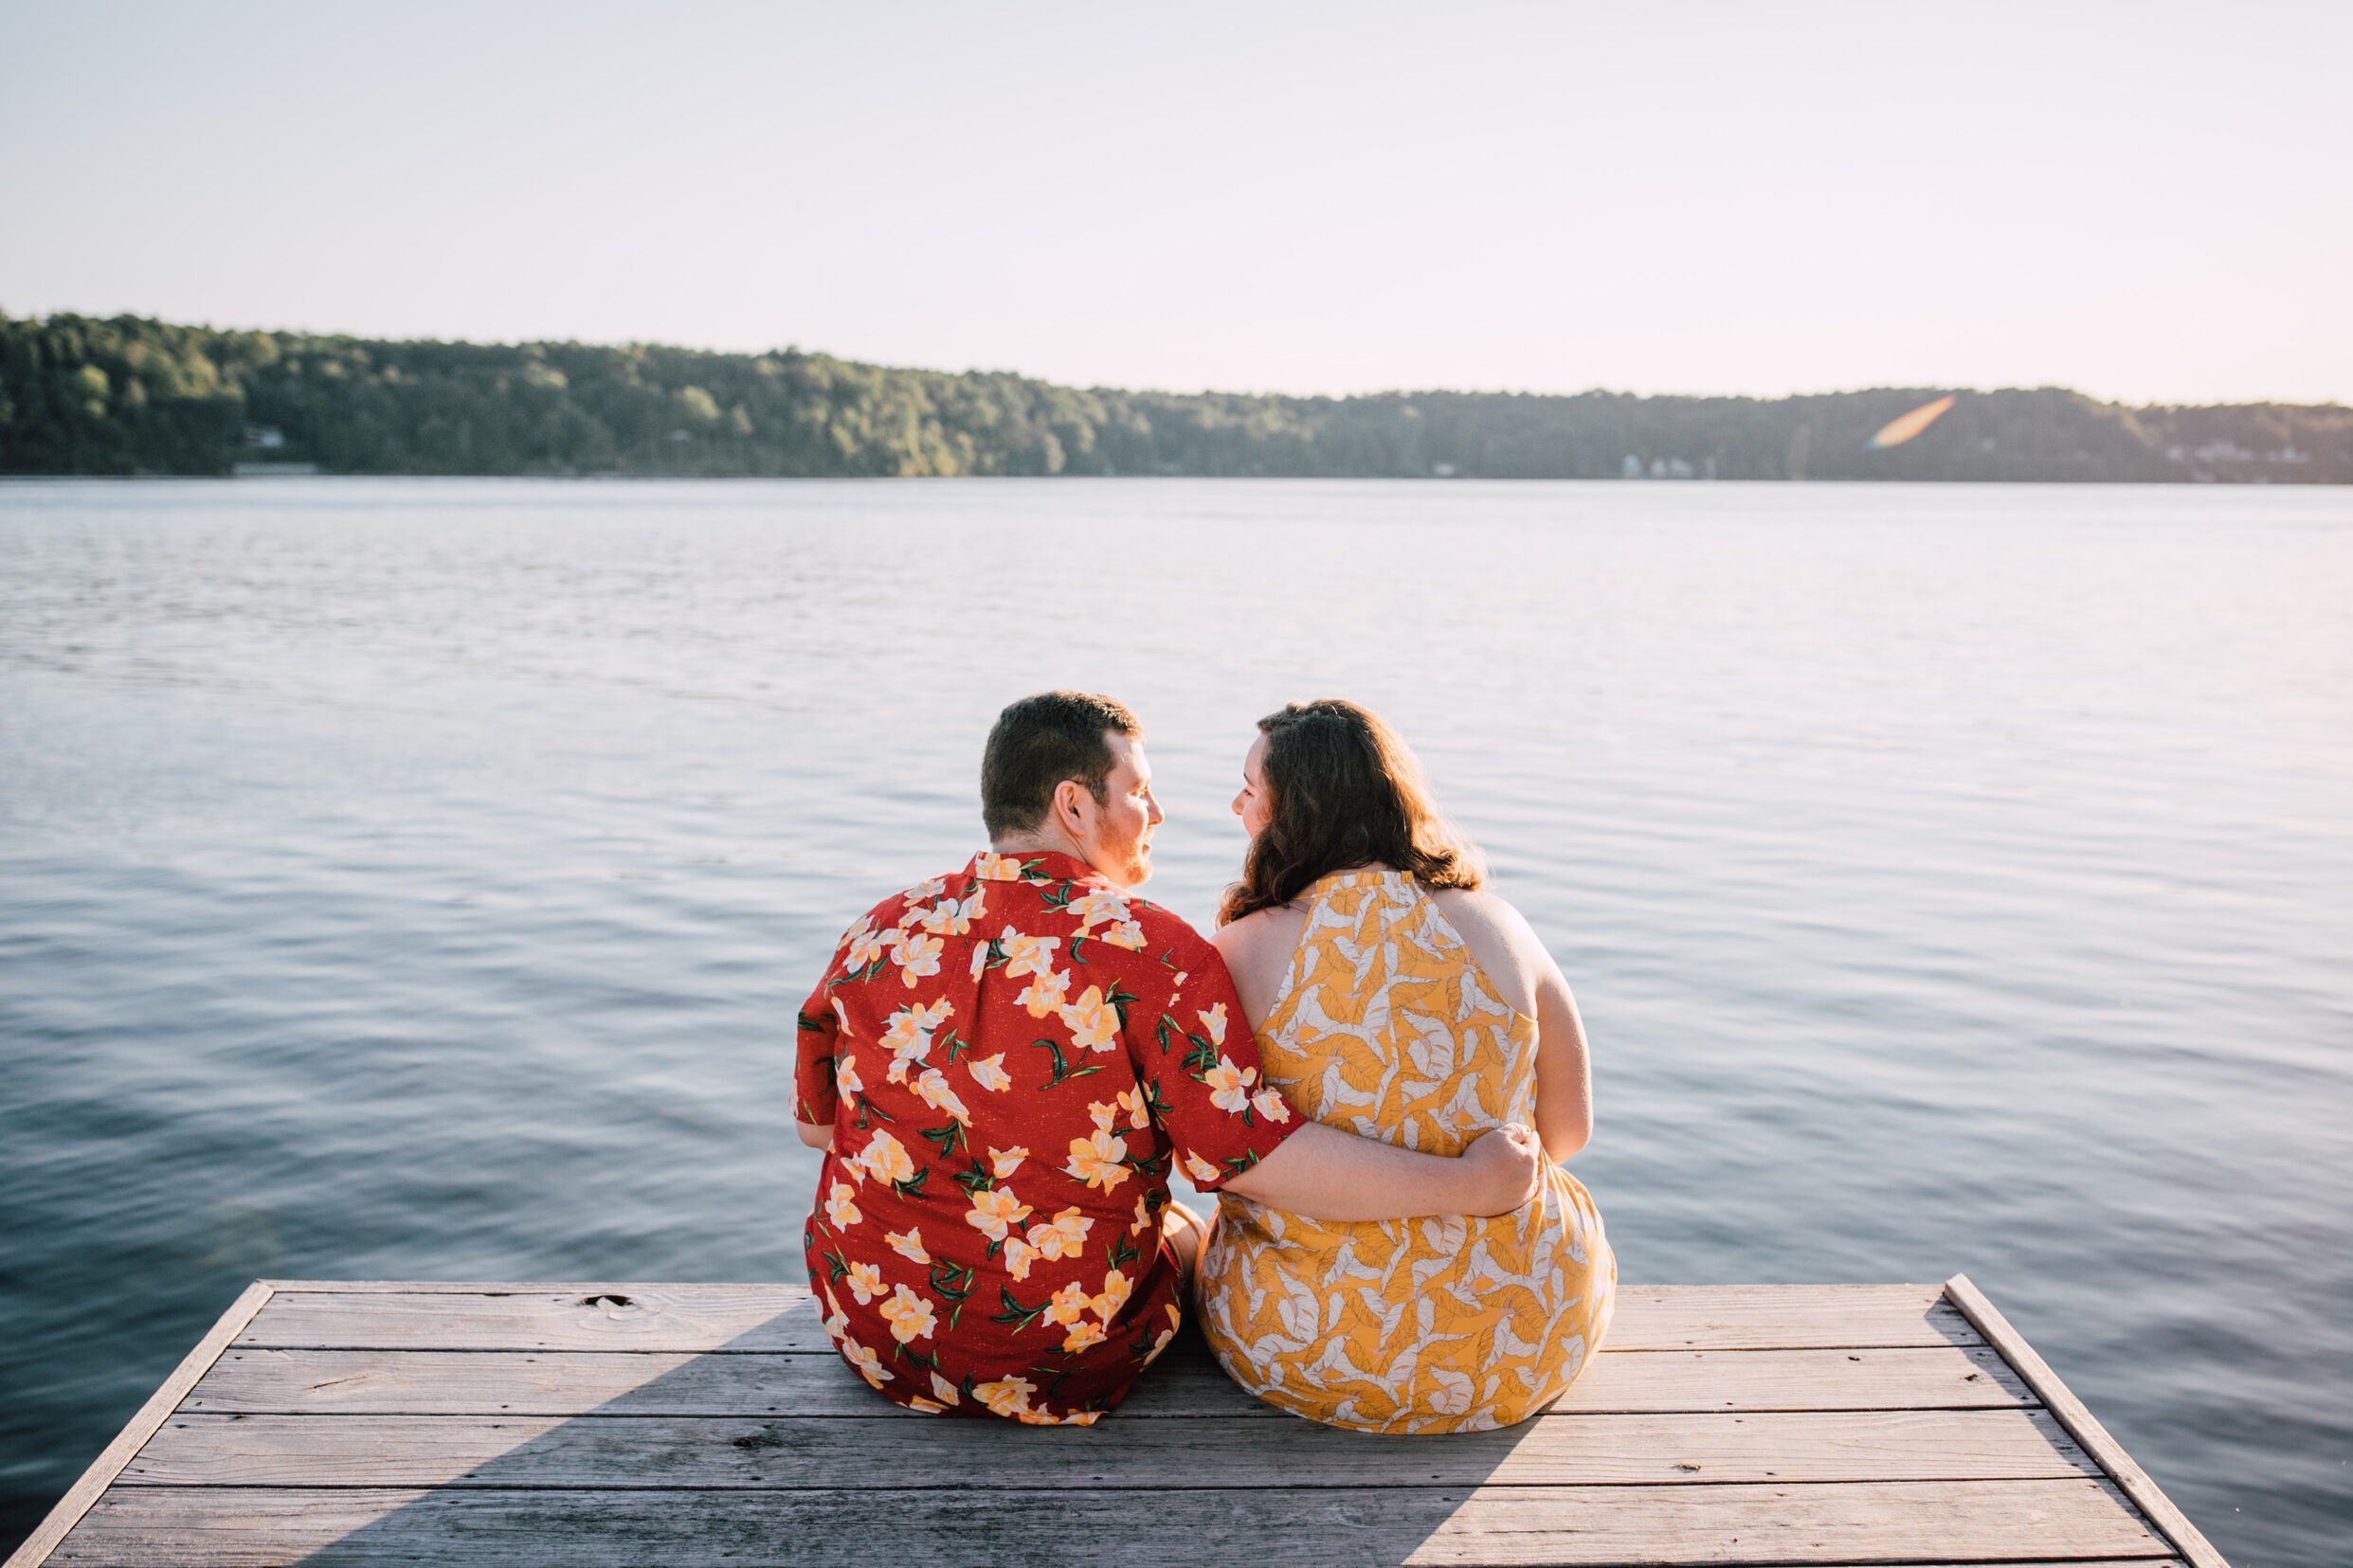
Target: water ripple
column 416, row 879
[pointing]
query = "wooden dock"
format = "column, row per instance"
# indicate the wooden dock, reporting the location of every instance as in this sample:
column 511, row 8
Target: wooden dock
column 519, row 1425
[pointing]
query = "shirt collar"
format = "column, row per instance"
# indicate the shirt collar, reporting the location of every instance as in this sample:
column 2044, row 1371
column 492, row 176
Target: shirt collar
column 1043, row 865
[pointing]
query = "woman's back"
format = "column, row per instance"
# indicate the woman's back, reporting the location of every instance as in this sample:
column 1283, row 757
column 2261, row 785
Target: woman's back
column 1386, row 1024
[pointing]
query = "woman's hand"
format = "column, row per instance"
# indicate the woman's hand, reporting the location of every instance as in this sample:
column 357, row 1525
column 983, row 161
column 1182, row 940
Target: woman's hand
column 1506, row 1166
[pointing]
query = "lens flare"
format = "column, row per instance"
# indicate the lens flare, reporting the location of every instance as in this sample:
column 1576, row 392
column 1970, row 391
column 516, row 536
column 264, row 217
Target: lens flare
column 1897, row 431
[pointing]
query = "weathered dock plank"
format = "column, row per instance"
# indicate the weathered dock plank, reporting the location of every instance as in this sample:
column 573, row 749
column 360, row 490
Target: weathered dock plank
column 781, row 1318
column 2024, row 1521
column 485, row 1382
column 1784, row 1317
column 598, row 1423
column 658, row 1453
column 649, row 1317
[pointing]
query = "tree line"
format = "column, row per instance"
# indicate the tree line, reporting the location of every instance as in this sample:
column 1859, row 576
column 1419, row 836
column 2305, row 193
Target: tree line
column 132, row 396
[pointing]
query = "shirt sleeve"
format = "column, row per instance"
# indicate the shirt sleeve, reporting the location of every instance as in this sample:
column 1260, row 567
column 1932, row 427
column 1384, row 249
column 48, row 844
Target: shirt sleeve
column 1199, row 1066
column 813, row 1097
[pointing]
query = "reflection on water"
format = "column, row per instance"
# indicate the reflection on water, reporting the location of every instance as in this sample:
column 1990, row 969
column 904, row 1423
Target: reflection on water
column 413, row 879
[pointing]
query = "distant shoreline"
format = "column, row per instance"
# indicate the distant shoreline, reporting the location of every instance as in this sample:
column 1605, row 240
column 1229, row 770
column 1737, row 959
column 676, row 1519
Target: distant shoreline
column 132, row 397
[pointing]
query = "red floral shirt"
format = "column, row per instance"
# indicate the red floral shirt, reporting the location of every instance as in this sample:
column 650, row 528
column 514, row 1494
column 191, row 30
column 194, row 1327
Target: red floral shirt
column 1011, row 1058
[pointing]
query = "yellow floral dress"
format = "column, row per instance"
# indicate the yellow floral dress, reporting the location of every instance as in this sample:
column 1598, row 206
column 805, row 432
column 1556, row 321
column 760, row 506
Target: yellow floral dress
column 1385, row 1028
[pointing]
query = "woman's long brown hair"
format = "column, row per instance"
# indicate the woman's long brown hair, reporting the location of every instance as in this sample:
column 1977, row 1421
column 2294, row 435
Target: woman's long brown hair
column 1344, row 791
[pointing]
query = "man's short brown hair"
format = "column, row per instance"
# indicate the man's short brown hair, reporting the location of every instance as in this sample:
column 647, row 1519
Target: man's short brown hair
column 1038, row 742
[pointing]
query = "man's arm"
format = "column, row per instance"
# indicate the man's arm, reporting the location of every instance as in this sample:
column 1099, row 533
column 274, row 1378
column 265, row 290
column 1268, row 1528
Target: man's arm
column 1326, row 1174
column 815, row 1099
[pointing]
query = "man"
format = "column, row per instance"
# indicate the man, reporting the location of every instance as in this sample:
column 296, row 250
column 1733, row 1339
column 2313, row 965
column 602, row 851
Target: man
column 1005, row 1063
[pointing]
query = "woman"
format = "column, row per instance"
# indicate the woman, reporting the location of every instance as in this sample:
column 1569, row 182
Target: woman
column 1392, row 998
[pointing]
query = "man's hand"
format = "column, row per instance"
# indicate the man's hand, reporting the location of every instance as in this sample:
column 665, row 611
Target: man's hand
column 1507, row 1166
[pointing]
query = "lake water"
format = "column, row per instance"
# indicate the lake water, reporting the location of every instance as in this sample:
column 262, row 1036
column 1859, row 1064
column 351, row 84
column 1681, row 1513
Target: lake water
column 415, row 879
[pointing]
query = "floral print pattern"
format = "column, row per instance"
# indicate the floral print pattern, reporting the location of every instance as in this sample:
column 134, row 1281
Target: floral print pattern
column 1012, row 1060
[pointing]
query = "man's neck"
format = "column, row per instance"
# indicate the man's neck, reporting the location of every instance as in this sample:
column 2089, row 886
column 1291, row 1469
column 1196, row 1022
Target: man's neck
column 1049, row 841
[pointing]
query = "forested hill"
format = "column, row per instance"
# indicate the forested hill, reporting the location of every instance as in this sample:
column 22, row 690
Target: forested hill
column 133, row 396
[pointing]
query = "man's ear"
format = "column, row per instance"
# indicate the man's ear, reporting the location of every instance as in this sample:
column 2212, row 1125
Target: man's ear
column 1066, row 808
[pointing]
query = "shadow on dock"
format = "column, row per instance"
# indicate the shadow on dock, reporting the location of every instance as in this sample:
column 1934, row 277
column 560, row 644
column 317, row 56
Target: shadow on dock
column 750, row 1455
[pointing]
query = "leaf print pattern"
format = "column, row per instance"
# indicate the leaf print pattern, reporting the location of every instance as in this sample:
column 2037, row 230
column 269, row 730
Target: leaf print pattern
column 1386, row 1028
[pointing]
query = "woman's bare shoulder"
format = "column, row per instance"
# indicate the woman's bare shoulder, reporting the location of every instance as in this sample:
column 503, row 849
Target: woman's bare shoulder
column 1499, row 939
column 1258, row 946
column 1277, row 927
column 1467, row 906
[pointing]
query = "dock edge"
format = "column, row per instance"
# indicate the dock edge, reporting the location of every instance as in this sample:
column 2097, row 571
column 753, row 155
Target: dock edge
column 2072, row 1414
column 132, row 1438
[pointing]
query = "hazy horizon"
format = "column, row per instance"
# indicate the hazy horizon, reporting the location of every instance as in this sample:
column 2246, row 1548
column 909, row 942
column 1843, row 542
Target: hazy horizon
column 2138, row 203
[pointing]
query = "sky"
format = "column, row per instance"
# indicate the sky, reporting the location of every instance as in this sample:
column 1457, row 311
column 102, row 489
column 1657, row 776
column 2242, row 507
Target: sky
column 2150, row 202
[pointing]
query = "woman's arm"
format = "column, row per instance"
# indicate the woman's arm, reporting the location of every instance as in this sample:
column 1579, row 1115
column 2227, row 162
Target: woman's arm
column 1563, row 1069
column 813, row 1135
column 1326, row 1174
